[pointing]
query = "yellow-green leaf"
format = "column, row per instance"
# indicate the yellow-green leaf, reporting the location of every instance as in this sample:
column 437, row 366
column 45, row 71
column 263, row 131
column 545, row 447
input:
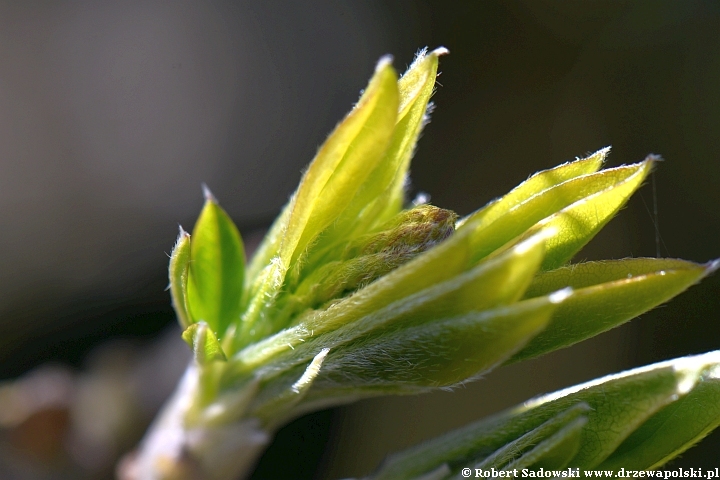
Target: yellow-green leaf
column 416, row 86
column 578, row 223
column 577, row 208
column 380, row 197
column 333, row 178
column 673, row 429
column 343, row 163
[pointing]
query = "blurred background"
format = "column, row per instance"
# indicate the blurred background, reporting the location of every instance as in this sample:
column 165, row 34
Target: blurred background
column 113, row 113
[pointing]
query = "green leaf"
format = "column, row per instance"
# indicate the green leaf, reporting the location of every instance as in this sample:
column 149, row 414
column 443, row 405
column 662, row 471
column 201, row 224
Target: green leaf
column 216, row 268
column 621, row 403
column 434, row 266
column 673, row 429
column 339, row 169
column 178, row 273
column 606, row 294
column 557, row 451
column 553, row 444
column 537, row 184
column 474, row 443
column 630, row 412
column 204, row 343
column 434, row 354
column 577, row 208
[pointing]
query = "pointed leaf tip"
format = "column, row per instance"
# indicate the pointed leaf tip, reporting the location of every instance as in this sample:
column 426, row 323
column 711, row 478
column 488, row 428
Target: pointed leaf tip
column 712, row 266
column 440, row 51
column 207, row 194
column 580, row 221
column 383, row 195
column 385, row 61
column 603, row 153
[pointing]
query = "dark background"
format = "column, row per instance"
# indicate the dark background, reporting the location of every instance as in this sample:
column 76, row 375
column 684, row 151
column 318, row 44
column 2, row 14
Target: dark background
column 113, row 113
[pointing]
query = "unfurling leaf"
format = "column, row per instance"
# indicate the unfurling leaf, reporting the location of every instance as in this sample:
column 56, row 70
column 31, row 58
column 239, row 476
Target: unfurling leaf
column 217, row 267
column 178, row 273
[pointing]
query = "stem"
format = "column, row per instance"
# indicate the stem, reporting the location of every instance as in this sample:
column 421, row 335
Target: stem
column 176, row 448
